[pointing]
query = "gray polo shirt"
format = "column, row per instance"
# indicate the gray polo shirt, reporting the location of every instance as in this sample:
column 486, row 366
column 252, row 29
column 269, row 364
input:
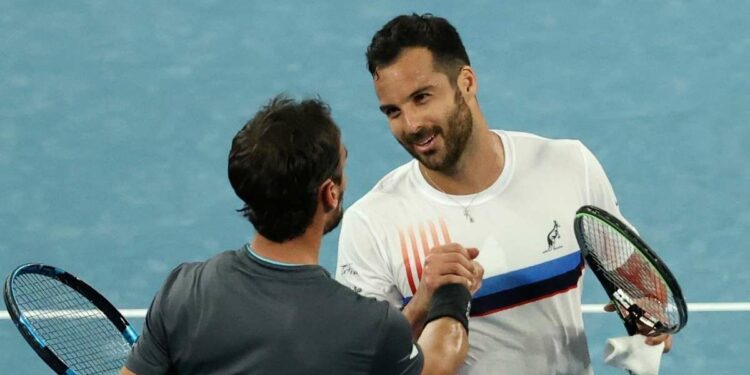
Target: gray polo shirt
column 237, row 313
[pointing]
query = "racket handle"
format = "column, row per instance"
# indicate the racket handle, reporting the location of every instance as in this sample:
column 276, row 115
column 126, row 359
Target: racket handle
column 631, row 327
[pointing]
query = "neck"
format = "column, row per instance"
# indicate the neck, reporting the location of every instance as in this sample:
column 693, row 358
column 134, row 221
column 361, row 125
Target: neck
column 304, row 249
column 478, row 168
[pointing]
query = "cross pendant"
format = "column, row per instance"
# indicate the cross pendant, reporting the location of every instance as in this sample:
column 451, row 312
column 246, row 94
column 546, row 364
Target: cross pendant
column 468, row 216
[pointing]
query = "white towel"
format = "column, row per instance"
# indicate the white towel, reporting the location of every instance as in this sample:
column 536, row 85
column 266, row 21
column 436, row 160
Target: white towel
column 633, row 354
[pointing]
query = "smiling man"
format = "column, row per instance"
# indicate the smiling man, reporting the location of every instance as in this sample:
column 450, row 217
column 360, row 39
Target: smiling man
column 511, row 195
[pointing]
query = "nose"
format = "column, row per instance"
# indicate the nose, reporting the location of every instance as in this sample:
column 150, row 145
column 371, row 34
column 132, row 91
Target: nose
column 413, row 121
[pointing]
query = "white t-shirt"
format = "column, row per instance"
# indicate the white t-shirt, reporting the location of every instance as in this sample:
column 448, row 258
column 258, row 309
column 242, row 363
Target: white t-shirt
column 526, row 318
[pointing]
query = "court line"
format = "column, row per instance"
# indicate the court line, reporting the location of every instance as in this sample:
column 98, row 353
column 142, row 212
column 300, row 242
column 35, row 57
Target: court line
column 128, row 313
column 587, row 309
column 692, row 307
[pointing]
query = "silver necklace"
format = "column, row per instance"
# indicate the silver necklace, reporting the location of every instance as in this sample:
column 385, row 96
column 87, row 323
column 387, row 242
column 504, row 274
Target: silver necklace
column 467, row 214
column 466, row 208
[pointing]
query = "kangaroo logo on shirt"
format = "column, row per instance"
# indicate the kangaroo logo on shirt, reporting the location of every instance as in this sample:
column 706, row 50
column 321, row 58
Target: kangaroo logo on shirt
column 552, row 237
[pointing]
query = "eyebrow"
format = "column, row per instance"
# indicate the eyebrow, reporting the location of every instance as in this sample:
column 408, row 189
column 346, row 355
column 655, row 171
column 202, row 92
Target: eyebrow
column 414, row 93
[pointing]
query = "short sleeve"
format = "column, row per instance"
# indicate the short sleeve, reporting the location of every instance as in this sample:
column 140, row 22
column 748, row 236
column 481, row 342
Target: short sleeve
column 599, row 190
column 150, row 354
column 396, row 353
column 362, row 264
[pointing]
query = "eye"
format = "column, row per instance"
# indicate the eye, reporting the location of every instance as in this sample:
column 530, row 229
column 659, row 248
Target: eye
column 421, row 98
column 391, row 112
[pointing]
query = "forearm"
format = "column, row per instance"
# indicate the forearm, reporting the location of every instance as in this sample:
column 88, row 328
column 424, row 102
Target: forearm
column 444, row 343
column 416, row 312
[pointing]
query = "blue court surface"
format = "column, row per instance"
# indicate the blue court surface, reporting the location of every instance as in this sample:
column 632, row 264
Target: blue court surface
column 116, row 120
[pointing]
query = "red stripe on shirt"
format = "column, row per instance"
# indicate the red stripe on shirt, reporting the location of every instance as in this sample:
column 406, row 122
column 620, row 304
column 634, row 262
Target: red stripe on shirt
column 444, row 227
column 433, row 232
column 415, row 250
column 425, row 244
column 407, row 263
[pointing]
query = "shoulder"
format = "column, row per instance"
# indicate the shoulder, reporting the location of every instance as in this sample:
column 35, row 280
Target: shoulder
column 390, row 190
column 536, row 149
column 195, row 269
column 181, row 273
column 185, row 276
column 537, row 142
column 392, row 183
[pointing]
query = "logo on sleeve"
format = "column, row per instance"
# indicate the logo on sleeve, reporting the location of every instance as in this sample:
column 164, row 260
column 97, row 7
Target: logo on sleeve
column 348, row 273
column 348, row 269
column 552, row 237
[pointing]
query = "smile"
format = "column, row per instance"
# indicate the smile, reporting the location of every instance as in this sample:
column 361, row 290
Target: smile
column 426, row 146
column 426, row 141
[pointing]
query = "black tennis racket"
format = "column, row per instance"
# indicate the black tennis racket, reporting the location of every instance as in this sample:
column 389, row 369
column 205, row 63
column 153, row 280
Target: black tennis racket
column 641, row 287
column 72, row 327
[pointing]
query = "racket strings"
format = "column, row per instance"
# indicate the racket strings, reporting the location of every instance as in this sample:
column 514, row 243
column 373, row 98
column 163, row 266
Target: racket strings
column 73, row 327
column 627, row 268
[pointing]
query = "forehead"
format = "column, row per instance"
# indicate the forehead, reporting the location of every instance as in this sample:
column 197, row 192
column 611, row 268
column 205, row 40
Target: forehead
column 412, row 70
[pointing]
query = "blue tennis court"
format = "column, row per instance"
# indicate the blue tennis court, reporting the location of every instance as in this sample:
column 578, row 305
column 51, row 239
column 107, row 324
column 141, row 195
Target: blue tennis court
column 116, row 120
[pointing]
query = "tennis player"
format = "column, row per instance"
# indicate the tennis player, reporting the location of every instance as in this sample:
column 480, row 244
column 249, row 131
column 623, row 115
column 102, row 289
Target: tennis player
column 268, row 307
column 512, row 195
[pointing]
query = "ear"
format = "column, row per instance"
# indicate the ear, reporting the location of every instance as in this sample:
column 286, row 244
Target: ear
column 329, row 195
column 466, row 81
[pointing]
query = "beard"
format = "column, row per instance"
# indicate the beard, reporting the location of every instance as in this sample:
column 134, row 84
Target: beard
column 459, row 125
column 335, row 220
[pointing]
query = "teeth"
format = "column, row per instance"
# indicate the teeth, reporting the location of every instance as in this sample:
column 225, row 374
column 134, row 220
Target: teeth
column 426, row 141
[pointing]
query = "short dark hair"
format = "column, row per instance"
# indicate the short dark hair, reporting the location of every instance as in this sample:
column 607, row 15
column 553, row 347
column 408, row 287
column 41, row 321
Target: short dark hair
column 405, row 31
column 278, row 161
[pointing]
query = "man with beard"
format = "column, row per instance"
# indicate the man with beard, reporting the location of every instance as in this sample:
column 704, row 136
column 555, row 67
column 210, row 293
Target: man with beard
column 268, row 307
column 511, row 195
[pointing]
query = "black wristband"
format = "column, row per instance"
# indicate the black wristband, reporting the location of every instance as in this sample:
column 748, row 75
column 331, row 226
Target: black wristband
column 452, row 300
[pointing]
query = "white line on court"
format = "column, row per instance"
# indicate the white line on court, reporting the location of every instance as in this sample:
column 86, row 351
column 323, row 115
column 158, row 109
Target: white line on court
column 78, row 314
column 587, row 309
column 692, row 307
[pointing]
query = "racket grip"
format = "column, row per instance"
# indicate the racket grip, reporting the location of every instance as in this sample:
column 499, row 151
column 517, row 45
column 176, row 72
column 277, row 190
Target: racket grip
column 631, row 327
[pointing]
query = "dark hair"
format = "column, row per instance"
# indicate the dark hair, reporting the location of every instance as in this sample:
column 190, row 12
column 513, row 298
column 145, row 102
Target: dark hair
column 278, row 161
column 405, row 31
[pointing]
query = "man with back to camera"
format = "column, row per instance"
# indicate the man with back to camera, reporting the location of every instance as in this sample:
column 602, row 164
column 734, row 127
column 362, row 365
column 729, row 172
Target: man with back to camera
column 512, row 195
column 268, row 307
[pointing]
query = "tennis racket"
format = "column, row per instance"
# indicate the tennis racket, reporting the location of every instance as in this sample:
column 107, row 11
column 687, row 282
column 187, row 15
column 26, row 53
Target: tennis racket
column 72, row 327
column 641, row 287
